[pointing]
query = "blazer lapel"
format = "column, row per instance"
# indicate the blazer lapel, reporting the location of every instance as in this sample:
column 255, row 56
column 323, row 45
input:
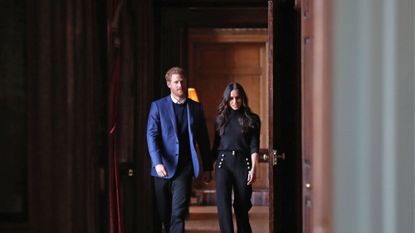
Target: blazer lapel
column 190, row 117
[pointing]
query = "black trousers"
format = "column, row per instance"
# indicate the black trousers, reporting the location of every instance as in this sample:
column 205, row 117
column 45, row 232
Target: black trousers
column 231, row 175
column 173, row 198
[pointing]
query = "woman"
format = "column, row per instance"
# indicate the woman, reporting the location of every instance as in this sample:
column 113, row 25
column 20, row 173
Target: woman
column 236, row 146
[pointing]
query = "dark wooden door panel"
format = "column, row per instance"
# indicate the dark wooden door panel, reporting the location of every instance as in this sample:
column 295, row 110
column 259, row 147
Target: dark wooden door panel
column 285, row 127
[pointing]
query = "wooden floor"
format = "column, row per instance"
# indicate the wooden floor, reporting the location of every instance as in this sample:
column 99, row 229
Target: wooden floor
column 203, row 219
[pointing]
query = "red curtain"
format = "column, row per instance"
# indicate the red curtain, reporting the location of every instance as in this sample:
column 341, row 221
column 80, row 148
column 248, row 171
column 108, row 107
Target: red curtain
column 114, row 199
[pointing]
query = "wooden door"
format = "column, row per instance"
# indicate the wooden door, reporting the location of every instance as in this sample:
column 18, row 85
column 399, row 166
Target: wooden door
column 285, row 119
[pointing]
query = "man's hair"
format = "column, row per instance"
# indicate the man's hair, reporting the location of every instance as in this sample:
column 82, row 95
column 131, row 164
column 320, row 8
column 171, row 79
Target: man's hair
column 175, row 70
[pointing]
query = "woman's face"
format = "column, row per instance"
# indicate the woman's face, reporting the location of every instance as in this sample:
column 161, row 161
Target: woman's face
column 235, row 101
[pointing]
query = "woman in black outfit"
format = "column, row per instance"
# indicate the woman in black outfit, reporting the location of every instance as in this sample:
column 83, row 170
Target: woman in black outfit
column 236, row 146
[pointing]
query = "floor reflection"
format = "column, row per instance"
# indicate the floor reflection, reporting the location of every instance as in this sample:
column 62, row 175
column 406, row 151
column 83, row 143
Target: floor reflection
column 203, row 219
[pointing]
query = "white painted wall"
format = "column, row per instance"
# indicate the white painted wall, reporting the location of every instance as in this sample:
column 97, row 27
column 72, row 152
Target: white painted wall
column 374, row 112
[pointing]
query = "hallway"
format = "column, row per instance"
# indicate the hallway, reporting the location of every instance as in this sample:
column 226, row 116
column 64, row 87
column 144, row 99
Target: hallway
column 203, row 219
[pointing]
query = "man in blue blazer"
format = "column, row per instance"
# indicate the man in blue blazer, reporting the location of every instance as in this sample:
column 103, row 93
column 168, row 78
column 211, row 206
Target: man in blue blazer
column 176, row 131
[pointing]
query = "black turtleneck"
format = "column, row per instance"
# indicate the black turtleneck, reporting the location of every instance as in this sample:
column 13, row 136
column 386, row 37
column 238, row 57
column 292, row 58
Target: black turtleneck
column 234, row 139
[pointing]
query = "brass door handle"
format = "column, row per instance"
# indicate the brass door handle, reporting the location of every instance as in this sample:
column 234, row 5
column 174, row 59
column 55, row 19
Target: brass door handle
column 130, row 172
column 277, row 156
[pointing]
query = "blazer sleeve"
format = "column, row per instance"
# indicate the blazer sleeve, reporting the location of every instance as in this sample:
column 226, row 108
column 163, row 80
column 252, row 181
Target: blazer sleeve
column 216, row 141
column 203, row 141
column 154, row 135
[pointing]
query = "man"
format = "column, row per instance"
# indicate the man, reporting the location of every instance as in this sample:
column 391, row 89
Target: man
column 175, row 125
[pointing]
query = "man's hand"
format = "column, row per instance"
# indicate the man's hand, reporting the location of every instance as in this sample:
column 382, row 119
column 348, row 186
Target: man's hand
column 161, row 170
column 206, row 176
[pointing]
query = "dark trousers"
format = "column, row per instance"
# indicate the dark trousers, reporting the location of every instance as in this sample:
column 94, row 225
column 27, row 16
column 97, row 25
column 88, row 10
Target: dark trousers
column 173, row 198
column 231, row 174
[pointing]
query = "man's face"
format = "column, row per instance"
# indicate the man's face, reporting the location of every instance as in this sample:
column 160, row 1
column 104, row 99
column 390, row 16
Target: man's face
column 177, row 85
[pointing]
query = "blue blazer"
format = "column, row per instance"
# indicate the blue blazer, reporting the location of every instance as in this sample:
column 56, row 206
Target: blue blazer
column 163, row 141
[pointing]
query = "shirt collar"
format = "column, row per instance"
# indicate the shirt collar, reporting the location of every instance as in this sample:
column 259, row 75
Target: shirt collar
column 176, row 101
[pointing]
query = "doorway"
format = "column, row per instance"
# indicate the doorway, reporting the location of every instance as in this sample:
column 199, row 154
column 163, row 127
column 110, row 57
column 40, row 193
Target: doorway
column 216, row 57
column 180, row 21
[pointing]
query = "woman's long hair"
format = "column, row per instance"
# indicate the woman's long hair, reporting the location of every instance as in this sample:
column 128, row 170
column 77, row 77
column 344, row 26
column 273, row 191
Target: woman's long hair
column 246, row 118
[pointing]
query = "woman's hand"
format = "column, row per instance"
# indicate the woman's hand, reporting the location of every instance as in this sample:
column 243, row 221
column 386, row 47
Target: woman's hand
column 251, row 176
column 206, row 176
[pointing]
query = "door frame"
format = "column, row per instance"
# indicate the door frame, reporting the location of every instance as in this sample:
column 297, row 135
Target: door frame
column 316, row 71
column 271, row 114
